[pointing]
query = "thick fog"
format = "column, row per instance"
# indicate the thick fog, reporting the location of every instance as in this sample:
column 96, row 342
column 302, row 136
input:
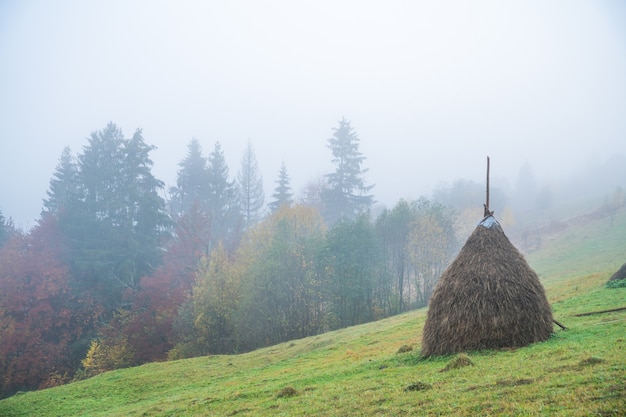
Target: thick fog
column 431, row 87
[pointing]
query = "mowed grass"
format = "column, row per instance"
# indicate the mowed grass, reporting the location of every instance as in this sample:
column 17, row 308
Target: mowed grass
column 359, row 371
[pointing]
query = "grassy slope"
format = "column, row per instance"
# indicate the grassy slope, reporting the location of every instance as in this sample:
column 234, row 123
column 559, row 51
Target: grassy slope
column 357, row 371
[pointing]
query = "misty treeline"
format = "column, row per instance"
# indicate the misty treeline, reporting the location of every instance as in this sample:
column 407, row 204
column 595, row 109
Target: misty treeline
column 120, row 271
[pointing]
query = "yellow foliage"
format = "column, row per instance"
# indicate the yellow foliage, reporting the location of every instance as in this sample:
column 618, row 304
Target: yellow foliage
column 102, row 357
column 92, row 359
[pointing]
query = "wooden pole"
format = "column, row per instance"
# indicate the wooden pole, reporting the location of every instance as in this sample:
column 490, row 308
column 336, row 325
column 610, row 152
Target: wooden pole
column 486, row 205
column 600, row 312
column 487, row 184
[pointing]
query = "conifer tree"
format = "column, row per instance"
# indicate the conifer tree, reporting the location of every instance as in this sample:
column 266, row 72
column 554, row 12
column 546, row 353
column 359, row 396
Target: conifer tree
column 117, row 221
column 345, row 195
column 192, row 183
column 63, row 185
column 251, row 194
column 223, row 204
column 282, row 193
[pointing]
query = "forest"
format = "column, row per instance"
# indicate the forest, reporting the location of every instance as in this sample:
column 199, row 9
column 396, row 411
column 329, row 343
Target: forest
column 120, row 271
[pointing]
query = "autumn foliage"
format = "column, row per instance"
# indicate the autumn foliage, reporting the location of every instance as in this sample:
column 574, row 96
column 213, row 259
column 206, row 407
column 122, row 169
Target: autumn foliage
column 109, row 278
column 41, row 320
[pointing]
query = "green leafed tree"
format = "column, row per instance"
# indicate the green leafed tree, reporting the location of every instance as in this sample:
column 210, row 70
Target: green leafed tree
column 432, row 245
column 393, row 229
column 282, row 193
column 251, row 194
column 346, row 194
column 282, row 291
column 351, row 260
column 216, row 295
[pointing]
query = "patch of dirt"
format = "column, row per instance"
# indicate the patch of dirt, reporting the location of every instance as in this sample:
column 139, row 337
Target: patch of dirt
column 509, row 382
column 513, row 382
column 590, row 361
column 243, row 410
column 418, row 386
column 581, row 364
column 609, row 413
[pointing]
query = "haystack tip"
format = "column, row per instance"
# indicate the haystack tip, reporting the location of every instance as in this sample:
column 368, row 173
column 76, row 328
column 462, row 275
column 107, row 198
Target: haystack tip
column 489, row 222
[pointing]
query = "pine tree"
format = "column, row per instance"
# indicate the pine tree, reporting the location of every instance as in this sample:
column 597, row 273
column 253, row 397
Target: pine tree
column 146, row 219
column 282, row 193
column 346, row 193
column 251, row 191
column 192, row 182
column 117, row 221
column 100, row 165
column 223, row 204
column 63, row 185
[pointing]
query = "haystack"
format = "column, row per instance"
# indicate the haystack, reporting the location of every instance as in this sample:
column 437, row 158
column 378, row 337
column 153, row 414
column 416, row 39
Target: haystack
column 488, row 298
column 619, row 275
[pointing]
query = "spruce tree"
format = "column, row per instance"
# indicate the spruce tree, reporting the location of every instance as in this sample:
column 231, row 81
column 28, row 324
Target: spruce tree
column 63, row 185
column 223, row 203
column 145, row 214
column 346, row 195
column 192, row 183
column 116, row 222
column 282, row 193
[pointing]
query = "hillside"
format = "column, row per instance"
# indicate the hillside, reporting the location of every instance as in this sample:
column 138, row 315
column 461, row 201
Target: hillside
column 360, row 370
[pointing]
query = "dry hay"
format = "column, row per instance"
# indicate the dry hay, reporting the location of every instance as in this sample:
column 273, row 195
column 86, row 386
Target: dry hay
column 460, row 361
column 404, row 349
column 619, row 275
column 488, row 298
column 287, row 392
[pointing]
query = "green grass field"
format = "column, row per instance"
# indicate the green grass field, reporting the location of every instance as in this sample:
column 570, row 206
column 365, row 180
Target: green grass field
column 359, row 371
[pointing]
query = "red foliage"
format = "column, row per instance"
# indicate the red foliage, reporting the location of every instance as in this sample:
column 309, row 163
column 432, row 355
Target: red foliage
column 47, row 321
column 38, row 321
column 149, row 328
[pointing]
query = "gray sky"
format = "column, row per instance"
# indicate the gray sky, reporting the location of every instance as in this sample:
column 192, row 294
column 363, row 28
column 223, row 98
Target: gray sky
column 431, row 87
